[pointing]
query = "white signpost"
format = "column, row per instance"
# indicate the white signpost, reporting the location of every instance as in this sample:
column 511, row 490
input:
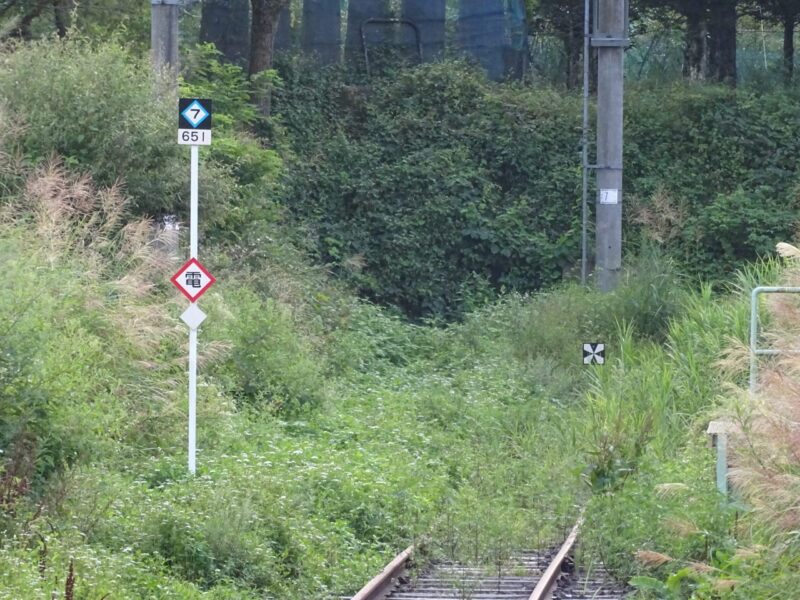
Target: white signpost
column 192, row 279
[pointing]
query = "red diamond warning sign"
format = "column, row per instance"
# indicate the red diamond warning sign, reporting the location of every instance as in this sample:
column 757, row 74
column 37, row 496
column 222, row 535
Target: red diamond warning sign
column 193, row 280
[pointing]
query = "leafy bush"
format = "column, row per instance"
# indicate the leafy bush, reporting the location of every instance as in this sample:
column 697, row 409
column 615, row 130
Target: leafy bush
column 66, row 251
column 105, row 118
column 649, row 296
column 710, row 172
column 369, row 340
column 269, row 365
column 110, row 118
column 669, row 506
column 429, row 184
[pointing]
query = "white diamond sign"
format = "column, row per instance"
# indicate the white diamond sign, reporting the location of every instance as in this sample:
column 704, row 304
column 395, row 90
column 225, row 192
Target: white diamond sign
column 594, row 354
column 193, row 316
column 193, row 280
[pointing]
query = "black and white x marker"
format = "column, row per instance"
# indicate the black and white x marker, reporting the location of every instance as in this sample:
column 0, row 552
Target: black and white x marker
column 594, row 354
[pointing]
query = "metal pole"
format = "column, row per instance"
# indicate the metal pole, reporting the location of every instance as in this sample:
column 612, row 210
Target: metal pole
column 585, row 142
column 722, row 463
column 754, row 337
column 611, row 39
column 193, row 202
column 164, row 37
column 192, row 401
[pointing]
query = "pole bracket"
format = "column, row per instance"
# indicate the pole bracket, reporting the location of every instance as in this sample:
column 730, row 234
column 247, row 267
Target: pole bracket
column 606, row 41
column 603, row 167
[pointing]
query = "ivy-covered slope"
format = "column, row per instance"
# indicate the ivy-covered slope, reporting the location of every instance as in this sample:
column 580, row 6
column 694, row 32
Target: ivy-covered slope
column 434, row 189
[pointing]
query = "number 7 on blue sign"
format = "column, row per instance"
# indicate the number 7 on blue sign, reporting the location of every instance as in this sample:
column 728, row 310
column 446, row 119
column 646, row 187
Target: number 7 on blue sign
column 194, row 121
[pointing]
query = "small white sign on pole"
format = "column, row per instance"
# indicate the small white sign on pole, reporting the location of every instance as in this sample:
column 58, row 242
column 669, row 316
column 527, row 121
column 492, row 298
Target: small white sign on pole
column 609, row 196
column 193, row 316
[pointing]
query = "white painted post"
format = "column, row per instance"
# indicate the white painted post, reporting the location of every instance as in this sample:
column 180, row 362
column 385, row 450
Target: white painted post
column 194, row 130
column 193, row 202
column 192, row 401
column 718, row 431
column 722, row 463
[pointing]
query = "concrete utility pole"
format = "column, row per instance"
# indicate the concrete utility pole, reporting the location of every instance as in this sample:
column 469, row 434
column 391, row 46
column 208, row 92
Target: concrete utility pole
column 164, row 36
column 610, row 39
column 321, row 30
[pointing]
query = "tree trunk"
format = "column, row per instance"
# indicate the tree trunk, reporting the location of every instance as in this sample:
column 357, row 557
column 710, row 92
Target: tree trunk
column 262, row 39
column 20, row 25
column 695, row 54
column 226, row 24
column 573, row 48
column 788, row 47
column 61, row 13
column 284, row 36
column 722, row 37
column 516, row 51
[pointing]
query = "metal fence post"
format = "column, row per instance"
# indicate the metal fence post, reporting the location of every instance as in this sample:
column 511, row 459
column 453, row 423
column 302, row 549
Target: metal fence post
column 755, row 351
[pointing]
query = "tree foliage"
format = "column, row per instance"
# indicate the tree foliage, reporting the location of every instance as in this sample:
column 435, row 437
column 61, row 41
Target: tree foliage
column 28, row 19
column 787, row 13
column 566, row 20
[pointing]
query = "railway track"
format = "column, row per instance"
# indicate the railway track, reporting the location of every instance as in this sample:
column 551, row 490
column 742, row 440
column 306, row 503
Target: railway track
column 532, row 575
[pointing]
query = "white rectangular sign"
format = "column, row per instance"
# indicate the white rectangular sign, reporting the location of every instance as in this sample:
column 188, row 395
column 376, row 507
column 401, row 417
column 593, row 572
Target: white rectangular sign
column 194, row 137
column 609, row 196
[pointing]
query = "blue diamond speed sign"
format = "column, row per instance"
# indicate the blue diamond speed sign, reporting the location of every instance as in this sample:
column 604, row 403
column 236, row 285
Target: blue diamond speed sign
column 194, row 121
column 195, row 113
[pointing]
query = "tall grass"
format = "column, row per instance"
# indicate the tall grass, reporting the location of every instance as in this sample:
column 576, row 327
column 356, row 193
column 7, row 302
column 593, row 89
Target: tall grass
column 405, row 432
column 767, row 448
column 556, row 322
column 646, row 426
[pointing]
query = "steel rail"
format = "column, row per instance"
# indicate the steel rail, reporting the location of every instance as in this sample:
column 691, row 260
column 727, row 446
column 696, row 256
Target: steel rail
column 385, row 584
column 544, row 588
column 382, row 583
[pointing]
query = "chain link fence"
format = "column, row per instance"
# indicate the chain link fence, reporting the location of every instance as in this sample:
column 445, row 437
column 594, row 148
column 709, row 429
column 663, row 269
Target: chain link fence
column 658, row 57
